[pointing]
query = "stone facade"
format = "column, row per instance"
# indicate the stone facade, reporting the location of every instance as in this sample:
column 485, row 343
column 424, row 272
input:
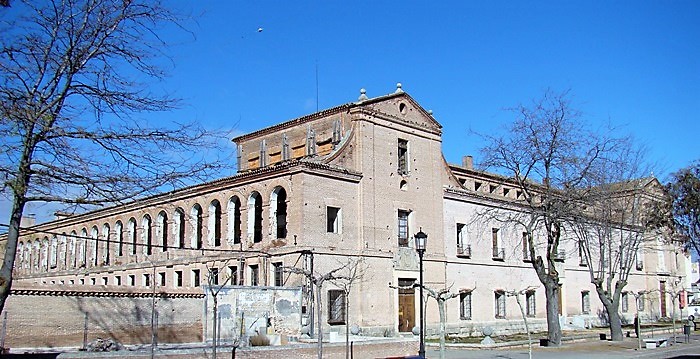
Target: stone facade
column 352, row 182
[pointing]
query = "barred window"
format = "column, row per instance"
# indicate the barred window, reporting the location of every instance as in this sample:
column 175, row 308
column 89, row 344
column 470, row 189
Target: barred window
column 585, row 302
column 465, row 305
column 500, row 299
column 336, row 306
column 403, row 228
column 402, row 157
column 279, row 277
column 531, row 309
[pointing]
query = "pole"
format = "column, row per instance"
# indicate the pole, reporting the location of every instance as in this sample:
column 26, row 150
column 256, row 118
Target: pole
column 421, row 350
column 4, row 332
column 153, row 312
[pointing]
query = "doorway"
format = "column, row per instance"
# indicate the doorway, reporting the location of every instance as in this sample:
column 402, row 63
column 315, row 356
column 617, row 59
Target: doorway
column 407, row 305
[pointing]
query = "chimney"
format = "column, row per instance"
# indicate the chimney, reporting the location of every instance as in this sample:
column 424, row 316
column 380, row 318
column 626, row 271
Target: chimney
column 468, row 162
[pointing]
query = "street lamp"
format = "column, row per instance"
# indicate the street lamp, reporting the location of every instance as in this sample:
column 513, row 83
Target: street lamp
column 421, row 241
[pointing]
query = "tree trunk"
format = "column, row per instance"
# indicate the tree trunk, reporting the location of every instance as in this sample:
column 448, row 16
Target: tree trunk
column 553, row 327
column 216, row 304
column 319, row 328
column 441, row 308
column 8, row 262
column 615, row 323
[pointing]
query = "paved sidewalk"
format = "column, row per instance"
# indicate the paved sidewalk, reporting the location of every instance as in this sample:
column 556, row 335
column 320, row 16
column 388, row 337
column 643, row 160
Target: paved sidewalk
column 586, row 349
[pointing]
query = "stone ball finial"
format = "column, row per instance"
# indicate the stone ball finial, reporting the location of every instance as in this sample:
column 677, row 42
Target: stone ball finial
column 430, row 112
column 487, row 331
column 398, row 88
column 363, row 95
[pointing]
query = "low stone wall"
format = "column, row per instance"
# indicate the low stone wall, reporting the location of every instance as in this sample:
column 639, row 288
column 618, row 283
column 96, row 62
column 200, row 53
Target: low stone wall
column 51, row 319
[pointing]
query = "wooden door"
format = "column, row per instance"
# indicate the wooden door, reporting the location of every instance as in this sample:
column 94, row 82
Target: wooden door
column 662, row 290
column 407, row 310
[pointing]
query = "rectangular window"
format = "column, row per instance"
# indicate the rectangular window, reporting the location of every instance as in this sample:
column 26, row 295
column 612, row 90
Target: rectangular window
column 195, row 277
column 146, row 280
column 333, row 220
column 500, row 301
column 463, row 248
column 178, row 278
column 279, row 275
column 581, row 255
column 526, row 247
column 132, row 280
column 402, row 152
column 233, row 272
column 640, row 302
column 118, row 280
column 214, row 276
column 104, row 280
column 336, row 306
column 465, row 305
column 625, row 302
column 254, row 274
column 161, row 279
column 403, row 228
column 498, row 253
column 530, row 309
column 585, row 302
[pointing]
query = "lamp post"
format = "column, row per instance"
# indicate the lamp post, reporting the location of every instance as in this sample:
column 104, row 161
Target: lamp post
column 421, row 241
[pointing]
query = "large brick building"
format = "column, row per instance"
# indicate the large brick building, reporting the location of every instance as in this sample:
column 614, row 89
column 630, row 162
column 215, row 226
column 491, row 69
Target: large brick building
column 353, row 181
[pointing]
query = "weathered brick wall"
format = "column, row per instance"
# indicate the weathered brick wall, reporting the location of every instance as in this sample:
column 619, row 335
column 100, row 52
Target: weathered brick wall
column 55, row 321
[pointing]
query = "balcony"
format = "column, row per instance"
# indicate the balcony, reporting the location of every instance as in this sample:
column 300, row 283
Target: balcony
column 499, row 254
column 560, row 256
column 464, row 251
column 639, row 265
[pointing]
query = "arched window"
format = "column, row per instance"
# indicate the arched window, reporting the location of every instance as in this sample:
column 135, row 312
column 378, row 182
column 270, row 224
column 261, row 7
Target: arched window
column 36, row 254
column 94, row 254
column 255, row 217
column 179, row 227
column 147, row 235
column 131, row 229
column 45, row 254
column 82, row 248
column 62, row 251
column 19, row 260
column 73, row 258
column 278, row 215
column 234, row 220
column 119, row 231
column 162, row 230
column 105, row 257
column 53, row 252
column 214, row 234
column 196, row 220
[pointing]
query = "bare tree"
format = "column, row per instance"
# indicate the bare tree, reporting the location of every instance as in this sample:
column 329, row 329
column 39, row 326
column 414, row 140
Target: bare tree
column 73, row 76
column 611, row 225
column 216, row 282
column 354, row 274
column 523, row 314
column 441, row 296
column 317, row 280
column 547, row 155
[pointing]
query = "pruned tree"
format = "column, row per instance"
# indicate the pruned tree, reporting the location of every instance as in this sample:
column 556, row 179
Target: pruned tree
column 216, row 282
column 523, row 314
column 341, row 273
column 354, row 273
column 684, row 190
column 74, row 75
column 441, row 296
column 547, row 154
column 611, row 225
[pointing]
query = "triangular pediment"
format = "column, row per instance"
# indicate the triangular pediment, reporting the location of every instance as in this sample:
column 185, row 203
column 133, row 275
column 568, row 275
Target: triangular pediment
column 402, row 108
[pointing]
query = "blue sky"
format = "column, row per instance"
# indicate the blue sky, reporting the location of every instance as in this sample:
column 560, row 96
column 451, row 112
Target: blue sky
column 633, row 64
